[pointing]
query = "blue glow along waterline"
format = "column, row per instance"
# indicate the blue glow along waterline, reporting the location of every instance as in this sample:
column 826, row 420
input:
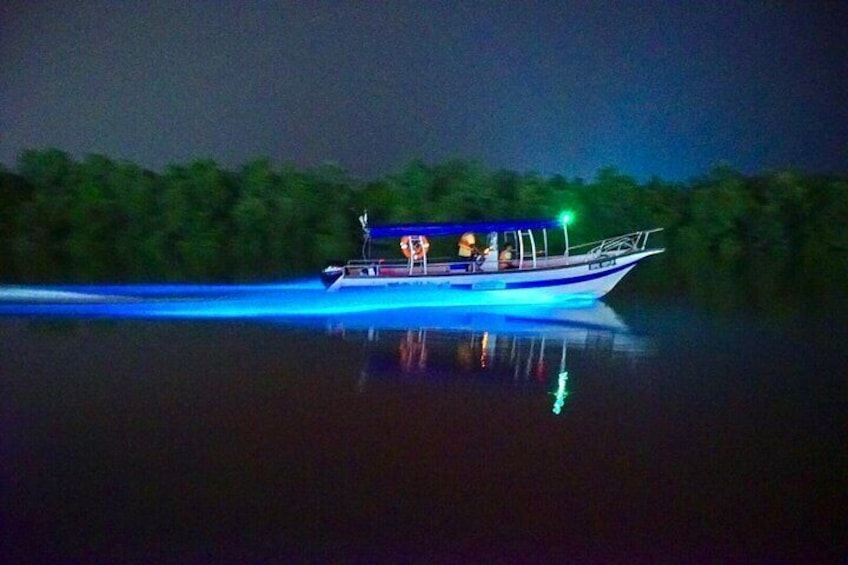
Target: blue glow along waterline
column 301, row 298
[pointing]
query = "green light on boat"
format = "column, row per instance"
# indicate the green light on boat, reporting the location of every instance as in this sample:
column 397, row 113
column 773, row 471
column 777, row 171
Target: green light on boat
column 566, row 217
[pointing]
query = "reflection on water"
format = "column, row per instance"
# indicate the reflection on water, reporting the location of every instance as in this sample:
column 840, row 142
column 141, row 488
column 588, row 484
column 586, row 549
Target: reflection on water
column 522, row 338
column 391, row 435
column 561, row 392
column 511, row 338
column 524, row 347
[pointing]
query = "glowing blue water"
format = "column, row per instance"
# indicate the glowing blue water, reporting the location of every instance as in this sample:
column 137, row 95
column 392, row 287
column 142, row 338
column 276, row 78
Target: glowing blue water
column 302, row 298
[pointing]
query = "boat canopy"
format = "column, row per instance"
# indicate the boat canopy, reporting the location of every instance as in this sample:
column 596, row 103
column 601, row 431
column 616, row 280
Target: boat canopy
column 448, row 228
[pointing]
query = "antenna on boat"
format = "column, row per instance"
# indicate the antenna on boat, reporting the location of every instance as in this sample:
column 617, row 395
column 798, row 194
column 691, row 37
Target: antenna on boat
column 366, row 243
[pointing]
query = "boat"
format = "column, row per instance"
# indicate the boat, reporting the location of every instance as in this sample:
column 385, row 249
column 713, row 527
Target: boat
column 589, row 269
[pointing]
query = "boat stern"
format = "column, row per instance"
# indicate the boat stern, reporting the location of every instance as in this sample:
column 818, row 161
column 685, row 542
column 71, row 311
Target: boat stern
column 331, row 275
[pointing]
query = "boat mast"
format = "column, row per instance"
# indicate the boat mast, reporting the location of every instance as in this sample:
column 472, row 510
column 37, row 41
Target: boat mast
column 565, row 218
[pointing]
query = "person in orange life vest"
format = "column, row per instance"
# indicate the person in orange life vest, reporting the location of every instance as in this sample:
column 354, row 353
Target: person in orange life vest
column 467, row 247
column 505, row 258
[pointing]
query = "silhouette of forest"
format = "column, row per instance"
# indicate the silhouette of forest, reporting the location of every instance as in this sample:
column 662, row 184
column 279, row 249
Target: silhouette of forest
column 732, row 240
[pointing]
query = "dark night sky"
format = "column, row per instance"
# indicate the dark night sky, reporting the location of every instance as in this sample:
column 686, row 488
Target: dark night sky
column 654, row 88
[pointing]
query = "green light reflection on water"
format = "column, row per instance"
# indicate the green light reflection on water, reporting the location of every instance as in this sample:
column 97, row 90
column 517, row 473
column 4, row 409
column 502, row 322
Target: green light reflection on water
column 561, row 393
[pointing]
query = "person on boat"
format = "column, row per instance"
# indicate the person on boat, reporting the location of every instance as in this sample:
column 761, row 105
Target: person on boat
column 468, row 251
column 467, row 247
column 505, row 258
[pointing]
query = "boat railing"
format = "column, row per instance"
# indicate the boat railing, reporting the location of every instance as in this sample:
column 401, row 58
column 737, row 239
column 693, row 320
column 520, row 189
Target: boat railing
column 402, row 267
column 618, row 245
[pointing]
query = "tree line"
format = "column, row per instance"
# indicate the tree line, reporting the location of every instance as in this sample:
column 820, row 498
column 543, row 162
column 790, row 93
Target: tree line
column 731, row 239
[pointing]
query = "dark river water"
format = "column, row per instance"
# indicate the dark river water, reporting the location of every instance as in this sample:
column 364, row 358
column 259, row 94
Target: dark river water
column 622, row 431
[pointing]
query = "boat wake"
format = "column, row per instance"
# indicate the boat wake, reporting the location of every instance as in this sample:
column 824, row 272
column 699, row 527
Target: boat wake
column 306, row 304
column 305, row 298
column 42, row 296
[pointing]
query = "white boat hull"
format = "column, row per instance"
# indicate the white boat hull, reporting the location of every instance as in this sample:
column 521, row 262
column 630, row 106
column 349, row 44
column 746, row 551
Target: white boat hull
column 577, row 276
